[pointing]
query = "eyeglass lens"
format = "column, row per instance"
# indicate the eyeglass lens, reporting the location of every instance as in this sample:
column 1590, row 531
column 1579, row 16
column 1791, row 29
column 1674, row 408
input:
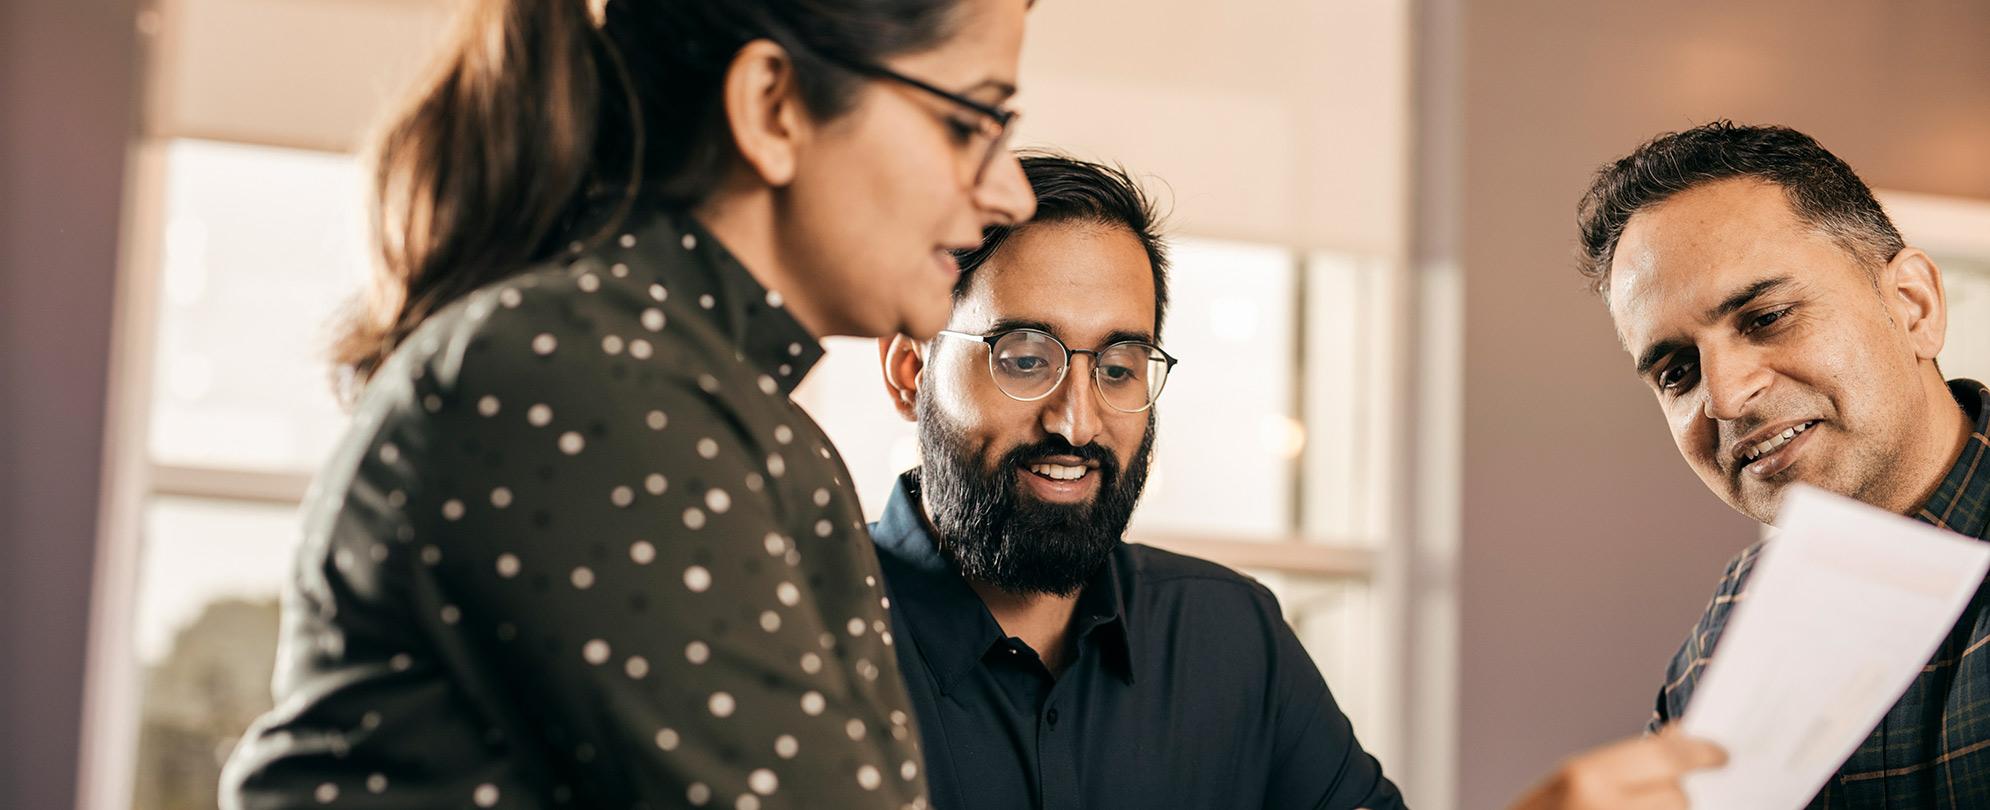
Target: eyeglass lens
column 998, row 141
column 1029, row 365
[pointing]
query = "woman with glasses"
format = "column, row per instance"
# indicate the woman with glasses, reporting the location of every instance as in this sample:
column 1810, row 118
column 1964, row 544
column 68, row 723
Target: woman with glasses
column 579, row 548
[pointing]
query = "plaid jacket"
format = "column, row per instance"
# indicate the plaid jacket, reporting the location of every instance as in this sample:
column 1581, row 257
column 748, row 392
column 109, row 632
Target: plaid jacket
column 1933, row 747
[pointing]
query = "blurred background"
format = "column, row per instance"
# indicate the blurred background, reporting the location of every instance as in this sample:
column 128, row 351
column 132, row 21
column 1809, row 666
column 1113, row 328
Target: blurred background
column 1397, row 404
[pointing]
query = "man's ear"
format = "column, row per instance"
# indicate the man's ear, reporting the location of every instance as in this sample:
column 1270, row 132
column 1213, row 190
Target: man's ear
column 903, row 359
column 764, row 111
column 1912, row 287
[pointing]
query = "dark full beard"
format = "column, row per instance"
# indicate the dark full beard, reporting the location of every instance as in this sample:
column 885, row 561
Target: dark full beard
column 993, row 531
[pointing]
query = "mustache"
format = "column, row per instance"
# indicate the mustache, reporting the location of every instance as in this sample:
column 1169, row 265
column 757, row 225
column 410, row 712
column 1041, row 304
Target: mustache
column 1734, row 431
column 1055, row 445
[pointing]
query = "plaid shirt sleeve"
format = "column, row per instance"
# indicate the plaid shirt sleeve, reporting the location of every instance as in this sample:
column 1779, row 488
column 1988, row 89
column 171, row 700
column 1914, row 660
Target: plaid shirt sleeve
column 1684, row 671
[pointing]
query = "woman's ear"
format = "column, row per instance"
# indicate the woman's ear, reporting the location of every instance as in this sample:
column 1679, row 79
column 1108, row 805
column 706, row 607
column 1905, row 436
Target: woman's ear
column 903, row 359
column 764, row 110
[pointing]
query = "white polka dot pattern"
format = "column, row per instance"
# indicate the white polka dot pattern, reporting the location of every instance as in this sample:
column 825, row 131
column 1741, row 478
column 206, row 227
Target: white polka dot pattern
column 593, row 474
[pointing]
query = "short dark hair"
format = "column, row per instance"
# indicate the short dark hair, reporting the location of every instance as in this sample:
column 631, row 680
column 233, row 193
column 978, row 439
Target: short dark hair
column 1072, row 190
column 1822, row 190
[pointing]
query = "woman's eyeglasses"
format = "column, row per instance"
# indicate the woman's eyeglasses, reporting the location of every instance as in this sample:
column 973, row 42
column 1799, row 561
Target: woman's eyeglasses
column 995, row 123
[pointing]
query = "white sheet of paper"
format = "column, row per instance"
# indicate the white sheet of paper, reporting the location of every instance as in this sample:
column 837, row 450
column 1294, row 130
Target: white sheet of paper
column 1846, row 605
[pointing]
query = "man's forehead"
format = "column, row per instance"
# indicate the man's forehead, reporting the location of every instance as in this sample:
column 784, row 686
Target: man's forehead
column 1076, row 277
column 1679, row 260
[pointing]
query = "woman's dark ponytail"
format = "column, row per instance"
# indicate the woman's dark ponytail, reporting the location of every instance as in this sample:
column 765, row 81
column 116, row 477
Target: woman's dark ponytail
column 536, row 111
column 487, row 163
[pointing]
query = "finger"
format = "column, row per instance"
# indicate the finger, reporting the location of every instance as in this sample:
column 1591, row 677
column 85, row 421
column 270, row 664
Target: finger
column 1688, row 753
column 1645, row 763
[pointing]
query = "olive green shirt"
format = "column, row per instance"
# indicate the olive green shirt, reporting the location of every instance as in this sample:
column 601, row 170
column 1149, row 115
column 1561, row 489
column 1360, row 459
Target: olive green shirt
column 580, row 549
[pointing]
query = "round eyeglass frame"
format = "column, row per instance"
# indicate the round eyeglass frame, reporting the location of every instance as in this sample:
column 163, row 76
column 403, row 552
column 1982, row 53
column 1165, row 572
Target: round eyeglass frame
column 1064, row 370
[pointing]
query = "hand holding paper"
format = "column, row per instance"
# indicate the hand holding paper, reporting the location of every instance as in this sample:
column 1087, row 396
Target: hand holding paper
column 1636, row 774
column 1846, row 605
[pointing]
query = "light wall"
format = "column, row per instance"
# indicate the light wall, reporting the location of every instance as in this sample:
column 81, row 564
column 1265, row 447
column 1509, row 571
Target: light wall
column 1589, row 549
column 1281, row 121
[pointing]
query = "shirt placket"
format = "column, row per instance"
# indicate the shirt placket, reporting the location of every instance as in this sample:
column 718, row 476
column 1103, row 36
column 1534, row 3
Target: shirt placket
column 1056, row 746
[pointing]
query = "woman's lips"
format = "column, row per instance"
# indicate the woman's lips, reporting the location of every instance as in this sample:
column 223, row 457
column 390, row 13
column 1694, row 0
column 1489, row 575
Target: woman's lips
column 947, row 263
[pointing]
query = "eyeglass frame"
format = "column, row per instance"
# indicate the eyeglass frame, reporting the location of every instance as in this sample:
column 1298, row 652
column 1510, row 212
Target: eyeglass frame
column 1064, row 372
column 1003, row 117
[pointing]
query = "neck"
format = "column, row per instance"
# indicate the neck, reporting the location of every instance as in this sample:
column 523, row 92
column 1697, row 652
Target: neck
column 743, row 220
column 1947, row 436
column 1042, row 621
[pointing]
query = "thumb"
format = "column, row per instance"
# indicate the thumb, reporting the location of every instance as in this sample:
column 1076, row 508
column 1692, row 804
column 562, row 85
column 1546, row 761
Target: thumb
column 1688, row 753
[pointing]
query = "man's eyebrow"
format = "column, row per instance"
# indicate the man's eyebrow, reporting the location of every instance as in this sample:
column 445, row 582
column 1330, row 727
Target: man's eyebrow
column 1116, row 336
column 1129, row 336
column 1006, row 324
column 1745, row 296
column 1658, row 351
column 1728, row 306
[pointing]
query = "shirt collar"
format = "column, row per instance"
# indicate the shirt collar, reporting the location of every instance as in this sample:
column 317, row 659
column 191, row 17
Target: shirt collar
column 713, row 284
column 1961, row 503
column 952, row 627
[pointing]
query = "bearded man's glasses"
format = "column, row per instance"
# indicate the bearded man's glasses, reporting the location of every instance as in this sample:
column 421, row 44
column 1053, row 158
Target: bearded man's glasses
column 1028, row 364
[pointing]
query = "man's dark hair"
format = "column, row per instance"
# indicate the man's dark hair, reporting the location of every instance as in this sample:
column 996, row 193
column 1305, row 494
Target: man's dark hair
column 1072, row 190
column 1822, row 190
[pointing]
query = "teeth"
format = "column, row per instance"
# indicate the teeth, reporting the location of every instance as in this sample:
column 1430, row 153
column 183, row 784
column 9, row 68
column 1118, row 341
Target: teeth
column 1776, row 442
column 1058, row 471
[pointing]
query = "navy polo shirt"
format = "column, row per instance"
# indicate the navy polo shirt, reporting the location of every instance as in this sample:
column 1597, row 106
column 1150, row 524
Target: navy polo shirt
column 1187, row 690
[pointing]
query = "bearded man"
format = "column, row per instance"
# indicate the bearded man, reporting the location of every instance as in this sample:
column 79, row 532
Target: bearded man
column 1053, row 665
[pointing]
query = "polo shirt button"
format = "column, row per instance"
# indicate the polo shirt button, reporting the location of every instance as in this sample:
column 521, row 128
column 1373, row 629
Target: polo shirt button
column 1051, row 716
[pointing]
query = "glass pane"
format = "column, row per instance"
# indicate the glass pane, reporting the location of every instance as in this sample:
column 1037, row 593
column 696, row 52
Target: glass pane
column 1967, row 350
column 262, row 247
column 1348, row 386
column 1227, row 445
column 210, row 573
column 1229, row 401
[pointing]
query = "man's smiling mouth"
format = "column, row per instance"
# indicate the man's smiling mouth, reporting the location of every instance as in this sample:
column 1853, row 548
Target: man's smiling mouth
column 1059, row 472
column 1774, row 443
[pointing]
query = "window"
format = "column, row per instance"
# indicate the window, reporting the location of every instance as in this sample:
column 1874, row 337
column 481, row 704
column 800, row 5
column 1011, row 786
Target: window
column 1956, row 234
column 1270, row 451
column 1278, row 436
column 258, row 248
column 1967, row 279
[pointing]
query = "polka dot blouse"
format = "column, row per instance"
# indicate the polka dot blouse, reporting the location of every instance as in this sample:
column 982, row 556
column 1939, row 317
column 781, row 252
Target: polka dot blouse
column 580, row 549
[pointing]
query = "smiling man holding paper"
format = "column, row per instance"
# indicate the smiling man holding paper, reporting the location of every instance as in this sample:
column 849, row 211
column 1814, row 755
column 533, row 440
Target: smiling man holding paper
column 1790, row 336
